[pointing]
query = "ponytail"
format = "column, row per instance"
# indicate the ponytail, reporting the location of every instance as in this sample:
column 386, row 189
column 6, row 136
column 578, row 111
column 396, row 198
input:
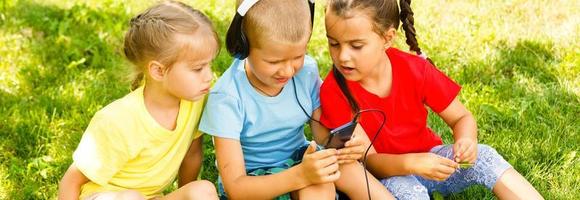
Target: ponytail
column 406, row 16
column 341, row 81
column 137, row 80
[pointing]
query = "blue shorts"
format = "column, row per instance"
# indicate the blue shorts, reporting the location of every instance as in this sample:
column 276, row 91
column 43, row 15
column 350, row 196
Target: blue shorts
column 487, row 169
column 295, row 159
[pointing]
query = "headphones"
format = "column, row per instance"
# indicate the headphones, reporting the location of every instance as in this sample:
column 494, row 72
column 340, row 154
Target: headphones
column 236, row 41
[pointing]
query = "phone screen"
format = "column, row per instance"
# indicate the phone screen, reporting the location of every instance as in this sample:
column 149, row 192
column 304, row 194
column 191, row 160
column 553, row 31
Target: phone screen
column 340, row 135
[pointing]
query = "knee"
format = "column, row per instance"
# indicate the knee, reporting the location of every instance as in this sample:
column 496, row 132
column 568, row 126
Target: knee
column 202, row 189
column 406, row 187
column 320, row 191
column 130, row 195
column 487, row 154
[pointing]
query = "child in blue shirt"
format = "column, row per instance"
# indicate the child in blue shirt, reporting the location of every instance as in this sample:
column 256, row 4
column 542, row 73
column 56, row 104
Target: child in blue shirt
column 257, row 110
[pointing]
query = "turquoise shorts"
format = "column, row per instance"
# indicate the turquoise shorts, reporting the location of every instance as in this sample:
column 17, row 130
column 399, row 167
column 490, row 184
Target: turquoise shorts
column 294, row 160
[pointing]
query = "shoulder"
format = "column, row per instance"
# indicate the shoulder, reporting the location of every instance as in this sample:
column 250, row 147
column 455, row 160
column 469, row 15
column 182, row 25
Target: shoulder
column 408, row 66
column 329, row 84
column 310, row 67
column 308, row 74
column 123, row 110
column 229, row 82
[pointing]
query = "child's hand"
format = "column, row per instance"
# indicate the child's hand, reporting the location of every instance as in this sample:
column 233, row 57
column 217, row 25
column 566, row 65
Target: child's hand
column 465, row 150
column 320, row 166
column 352, row 151
column 433, row 167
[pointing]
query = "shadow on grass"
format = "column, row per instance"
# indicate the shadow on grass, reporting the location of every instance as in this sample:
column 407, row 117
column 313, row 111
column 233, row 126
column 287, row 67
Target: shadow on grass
column 77, row 68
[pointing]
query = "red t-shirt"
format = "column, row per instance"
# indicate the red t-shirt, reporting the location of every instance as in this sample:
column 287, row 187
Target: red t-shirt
column 415, row 83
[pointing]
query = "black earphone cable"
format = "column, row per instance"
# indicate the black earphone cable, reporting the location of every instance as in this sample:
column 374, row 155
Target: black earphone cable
column 303, row 110
column 354, row 120
column 371, row 144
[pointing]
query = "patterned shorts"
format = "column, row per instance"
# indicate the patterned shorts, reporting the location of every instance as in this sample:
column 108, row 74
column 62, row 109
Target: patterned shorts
column 487, row 169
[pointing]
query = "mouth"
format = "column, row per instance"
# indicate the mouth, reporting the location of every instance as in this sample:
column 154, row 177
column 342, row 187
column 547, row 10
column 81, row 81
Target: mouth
column 206, row 90
column 347, row 70
column 282, row 80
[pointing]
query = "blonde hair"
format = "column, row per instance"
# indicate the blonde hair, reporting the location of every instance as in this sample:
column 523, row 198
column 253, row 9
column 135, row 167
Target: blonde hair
column 153, row 35
column 278, row 20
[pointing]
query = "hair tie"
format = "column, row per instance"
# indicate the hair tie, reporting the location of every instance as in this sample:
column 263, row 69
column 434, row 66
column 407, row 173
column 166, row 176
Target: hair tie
column 423, row 55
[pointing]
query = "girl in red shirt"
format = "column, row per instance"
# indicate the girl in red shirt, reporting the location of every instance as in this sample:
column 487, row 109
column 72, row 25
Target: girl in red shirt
column 369, row 74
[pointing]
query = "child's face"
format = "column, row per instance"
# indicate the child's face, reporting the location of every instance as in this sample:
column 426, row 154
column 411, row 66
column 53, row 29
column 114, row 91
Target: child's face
column 191, row 75
column 275, row 63
column 356, row 49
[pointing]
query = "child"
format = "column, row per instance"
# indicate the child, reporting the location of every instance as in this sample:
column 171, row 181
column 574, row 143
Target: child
column 369, row 74
column 135, row 147
column 257, row 110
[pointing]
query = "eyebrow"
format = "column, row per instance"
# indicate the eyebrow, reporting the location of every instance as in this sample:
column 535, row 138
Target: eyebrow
column 348, row 41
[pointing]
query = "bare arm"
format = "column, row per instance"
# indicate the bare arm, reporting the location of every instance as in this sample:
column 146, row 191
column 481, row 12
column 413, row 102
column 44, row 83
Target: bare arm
column 70, row 184
column 398, row 164
column 319, row 132
column 240, row 186
column 191, row 164
column 464, row 127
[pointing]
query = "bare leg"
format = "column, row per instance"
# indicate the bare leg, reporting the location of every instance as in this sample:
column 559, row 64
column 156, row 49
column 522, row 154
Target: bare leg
column 512, row 185
column 352, row 182
column 127, row 194
column 320, row 191
column 194, row 190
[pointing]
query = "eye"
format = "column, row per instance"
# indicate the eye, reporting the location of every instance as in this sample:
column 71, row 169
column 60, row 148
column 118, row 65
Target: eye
column 199, row 68
column 333, row 44
column 357, row 46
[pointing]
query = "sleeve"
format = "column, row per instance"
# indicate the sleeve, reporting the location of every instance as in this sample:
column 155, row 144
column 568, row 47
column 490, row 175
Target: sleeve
column 222, row 116
column 316, row 83
column 102, row 151
column 438, row 89
column 334, row 106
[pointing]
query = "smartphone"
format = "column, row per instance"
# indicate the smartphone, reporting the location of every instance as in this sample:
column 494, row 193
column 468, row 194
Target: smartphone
column 340, row 135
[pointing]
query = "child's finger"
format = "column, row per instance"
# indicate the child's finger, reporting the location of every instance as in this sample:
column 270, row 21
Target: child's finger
column 327, row 161
column 353, row 142
column 349, row 157
column 447, row 162
column 331, row 169
column 456, row 151
column 331, row 177
column 311, row 148
column 340, row 162
column 324, row 153
column 350, row 150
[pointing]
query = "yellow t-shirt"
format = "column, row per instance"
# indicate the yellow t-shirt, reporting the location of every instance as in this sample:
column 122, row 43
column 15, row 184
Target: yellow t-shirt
column 125, row 148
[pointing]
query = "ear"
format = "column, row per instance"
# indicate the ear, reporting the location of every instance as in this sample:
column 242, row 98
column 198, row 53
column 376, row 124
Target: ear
column 389, row 37
column 156, row 70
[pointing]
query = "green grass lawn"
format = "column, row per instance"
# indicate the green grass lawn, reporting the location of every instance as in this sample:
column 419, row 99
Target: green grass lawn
column 517, row 60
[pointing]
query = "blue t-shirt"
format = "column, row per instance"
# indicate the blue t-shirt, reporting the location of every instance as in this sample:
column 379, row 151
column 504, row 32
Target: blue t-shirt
column 269, row 129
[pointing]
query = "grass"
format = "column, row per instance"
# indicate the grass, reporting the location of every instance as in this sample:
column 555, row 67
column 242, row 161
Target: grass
column 517, row 61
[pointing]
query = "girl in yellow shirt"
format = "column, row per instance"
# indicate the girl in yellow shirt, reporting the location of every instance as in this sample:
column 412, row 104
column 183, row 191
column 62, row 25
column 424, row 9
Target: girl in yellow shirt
column 135, row 147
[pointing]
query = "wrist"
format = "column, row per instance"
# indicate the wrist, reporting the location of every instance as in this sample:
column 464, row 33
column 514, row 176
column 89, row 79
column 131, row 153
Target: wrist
column 299, row 171
column 411, row 161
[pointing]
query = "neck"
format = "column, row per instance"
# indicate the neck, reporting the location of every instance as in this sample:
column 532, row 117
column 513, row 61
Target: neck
column 379, row 79
column 157, row 98
column 258, row 85
column 377, row 76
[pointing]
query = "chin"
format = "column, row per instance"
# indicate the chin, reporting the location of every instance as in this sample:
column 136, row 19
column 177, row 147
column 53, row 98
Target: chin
column 354, row 78
column 194, row 98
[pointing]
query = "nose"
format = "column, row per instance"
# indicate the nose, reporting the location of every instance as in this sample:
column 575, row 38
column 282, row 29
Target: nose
column 287, row 70
column 208, row 76
column 343, row 55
